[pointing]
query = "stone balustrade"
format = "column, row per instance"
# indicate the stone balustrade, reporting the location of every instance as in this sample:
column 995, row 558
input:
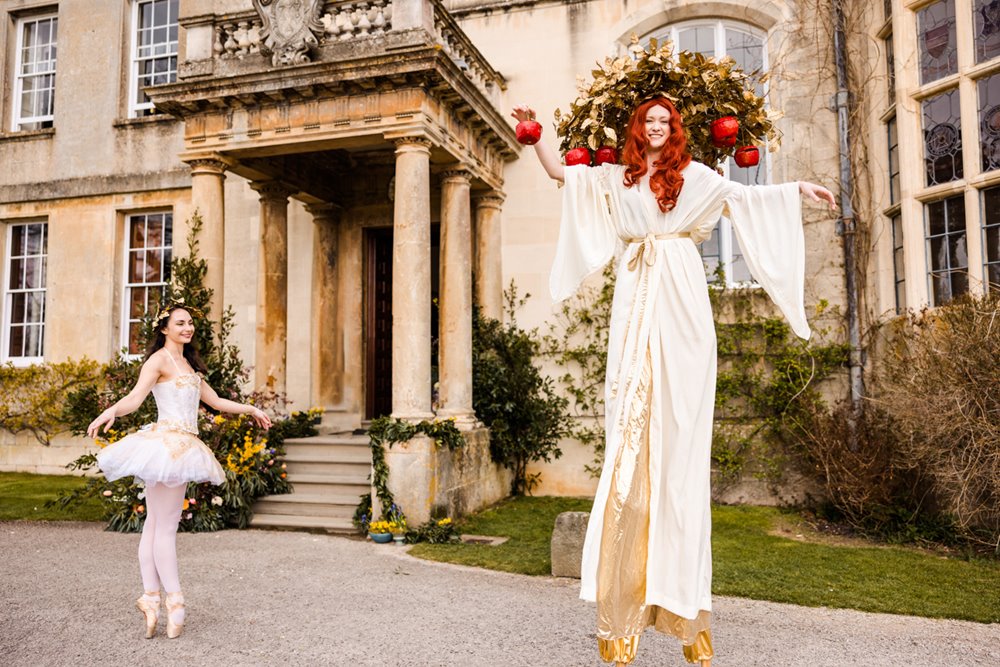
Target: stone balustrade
column 238, row 35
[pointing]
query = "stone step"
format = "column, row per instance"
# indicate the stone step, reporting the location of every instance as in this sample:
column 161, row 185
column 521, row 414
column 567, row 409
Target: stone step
column 316, row 465
column 329, row 445
column 339, row 485
column 319, row 524
column 302, row 504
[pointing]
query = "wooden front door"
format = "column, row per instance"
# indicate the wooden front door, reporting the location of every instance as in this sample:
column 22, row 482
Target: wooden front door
column 378, row 329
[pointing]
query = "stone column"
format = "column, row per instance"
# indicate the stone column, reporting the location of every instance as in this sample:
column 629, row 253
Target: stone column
column 327, row 339
column 208, row 177
column 272, row 286
column 411, row 281
column 455, row 357
column 489, row 266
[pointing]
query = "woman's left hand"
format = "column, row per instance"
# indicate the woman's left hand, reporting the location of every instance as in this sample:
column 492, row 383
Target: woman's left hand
column 817, row 193
column 262, row 419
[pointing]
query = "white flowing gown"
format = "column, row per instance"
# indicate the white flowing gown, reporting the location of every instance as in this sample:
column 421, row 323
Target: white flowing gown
column 661, row 369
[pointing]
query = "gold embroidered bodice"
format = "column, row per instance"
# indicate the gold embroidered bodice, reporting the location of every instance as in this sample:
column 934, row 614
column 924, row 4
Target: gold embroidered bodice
column 177, row 403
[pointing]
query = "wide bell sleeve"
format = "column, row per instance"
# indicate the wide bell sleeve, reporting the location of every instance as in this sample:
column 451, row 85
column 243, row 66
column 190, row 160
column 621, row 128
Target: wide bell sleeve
column 587, row 237
column 768, row 224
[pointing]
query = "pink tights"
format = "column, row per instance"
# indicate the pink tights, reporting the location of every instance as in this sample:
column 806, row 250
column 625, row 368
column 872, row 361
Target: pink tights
column 158, row 545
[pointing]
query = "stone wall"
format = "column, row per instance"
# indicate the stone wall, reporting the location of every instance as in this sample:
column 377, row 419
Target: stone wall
column 427, row 480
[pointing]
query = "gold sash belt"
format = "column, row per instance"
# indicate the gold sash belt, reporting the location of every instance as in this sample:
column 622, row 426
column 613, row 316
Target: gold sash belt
column 645, row 250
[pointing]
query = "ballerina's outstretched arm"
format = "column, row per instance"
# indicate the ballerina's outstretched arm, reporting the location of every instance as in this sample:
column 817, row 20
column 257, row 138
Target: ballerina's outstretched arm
column 210, row 398
column 149, row 375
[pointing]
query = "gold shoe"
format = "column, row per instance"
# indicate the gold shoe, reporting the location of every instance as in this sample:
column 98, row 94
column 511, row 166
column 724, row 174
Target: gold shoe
column 151, row 610
column 175, row 603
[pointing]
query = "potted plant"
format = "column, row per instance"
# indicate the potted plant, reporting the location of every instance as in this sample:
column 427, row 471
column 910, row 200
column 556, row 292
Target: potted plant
column 398, row 529
column 380, row 532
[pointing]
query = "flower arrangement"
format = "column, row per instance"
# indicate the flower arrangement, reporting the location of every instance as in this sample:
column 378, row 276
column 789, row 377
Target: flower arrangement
column 704, row 90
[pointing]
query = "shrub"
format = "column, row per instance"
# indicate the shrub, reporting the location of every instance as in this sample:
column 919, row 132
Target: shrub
column 31, row 398
column 525, row 414
column 939, row 380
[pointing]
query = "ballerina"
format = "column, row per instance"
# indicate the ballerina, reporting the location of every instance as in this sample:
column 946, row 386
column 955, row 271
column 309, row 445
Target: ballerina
column 166, row 455
column 647, row 555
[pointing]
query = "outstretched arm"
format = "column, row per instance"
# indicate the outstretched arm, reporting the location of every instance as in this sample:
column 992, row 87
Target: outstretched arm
column 550, row 161
column 817, row 193
column 210, row 398
column 148, row 376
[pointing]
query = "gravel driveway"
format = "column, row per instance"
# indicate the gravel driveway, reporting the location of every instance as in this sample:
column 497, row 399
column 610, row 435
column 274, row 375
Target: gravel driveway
column 285, row 598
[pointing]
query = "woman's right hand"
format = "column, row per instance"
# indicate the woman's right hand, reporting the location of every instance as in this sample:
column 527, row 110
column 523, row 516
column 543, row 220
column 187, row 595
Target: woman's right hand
column 106, row 419
column 523, row 112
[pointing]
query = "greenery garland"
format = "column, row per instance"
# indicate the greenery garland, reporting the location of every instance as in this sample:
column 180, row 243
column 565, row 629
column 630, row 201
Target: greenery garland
column 385, row 432
column 702, row 89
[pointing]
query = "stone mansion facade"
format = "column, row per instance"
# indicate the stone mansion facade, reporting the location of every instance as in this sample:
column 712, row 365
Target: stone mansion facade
column 355, row 166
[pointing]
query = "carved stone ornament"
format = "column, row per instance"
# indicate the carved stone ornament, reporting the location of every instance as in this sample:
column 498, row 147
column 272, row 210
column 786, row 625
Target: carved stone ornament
column 291, row 28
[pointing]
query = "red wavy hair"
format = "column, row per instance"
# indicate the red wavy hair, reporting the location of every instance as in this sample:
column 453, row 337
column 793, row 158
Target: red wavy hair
column 666, row 180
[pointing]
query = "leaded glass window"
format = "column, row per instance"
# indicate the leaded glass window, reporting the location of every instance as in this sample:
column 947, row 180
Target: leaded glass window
column 947, row 250
column 991, row 236
column 893, row 134
column 987, row 25
column 147, row 271
column 936, row 34
column 989, row 121
column 154, row 51
column 24, row 296
column 942, row 138
column 35, row 73
column 890, row 69
column 898, row 267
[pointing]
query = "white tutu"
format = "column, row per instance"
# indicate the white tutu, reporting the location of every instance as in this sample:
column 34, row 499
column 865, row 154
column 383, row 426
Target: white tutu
column 158, row 454
column 168, row 451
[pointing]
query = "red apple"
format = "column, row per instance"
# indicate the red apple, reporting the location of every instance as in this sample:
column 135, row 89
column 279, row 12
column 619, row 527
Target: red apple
column 747, row 156
column 606, row 155
column 528, row 132
column 724, row 131
column 577, row 156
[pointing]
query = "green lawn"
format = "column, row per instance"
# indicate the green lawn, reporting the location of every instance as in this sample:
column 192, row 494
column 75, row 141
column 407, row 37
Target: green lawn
column 752, row 563
column 23, row 497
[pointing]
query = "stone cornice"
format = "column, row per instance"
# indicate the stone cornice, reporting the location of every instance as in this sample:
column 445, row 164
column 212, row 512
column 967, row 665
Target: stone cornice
column 273, row 191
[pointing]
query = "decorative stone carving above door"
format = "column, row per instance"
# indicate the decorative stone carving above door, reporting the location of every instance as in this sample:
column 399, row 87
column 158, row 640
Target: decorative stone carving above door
column 291, row 28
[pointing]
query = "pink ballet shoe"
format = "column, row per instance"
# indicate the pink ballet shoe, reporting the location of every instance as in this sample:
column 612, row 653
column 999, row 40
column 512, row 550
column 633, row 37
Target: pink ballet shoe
column 175, row 604
column 149, row 605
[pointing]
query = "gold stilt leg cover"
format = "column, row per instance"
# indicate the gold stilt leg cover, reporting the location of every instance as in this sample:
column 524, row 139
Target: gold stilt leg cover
column 701, row 649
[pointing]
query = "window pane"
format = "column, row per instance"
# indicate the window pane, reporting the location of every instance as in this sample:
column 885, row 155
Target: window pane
column 898, row 266
column 947, row 255
column 890, row 69
column 936, row 33
column 137, row 267
column 987, row 21
column 893, row 161
column 989, row 121
column 33, row 341
column 991, row 235
column 700, row 39
column 16, row 272
column 17, row 307
column 942, row 138
column 16, row 346
column 34, row 307
column 154, row 274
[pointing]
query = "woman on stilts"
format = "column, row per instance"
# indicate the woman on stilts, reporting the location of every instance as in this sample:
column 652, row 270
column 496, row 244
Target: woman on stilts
column 647, row 556
column 166, row 455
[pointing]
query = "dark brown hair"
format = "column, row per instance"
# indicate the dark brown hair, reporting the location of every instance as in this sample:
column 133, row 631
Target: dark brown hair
column 159, row 339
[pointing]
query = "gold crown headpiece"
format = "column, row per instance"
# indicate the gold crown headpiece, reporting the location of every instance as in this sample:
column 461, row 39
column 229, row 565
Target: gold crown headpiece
column 175, row 304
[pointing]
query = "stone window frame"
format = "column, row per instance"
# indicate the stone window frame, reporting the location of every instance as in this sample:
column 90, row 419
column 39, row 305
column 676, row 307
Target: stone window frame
column 723, row 235
column 125, row 320
column 19, row 19
column 7, row 291
column 135, row 110
column 915, row 195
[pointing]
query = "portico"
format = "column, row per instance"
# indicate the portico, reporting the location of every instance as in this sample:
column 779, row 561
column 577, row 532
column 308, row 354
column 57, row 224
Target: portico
column 389, row 126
